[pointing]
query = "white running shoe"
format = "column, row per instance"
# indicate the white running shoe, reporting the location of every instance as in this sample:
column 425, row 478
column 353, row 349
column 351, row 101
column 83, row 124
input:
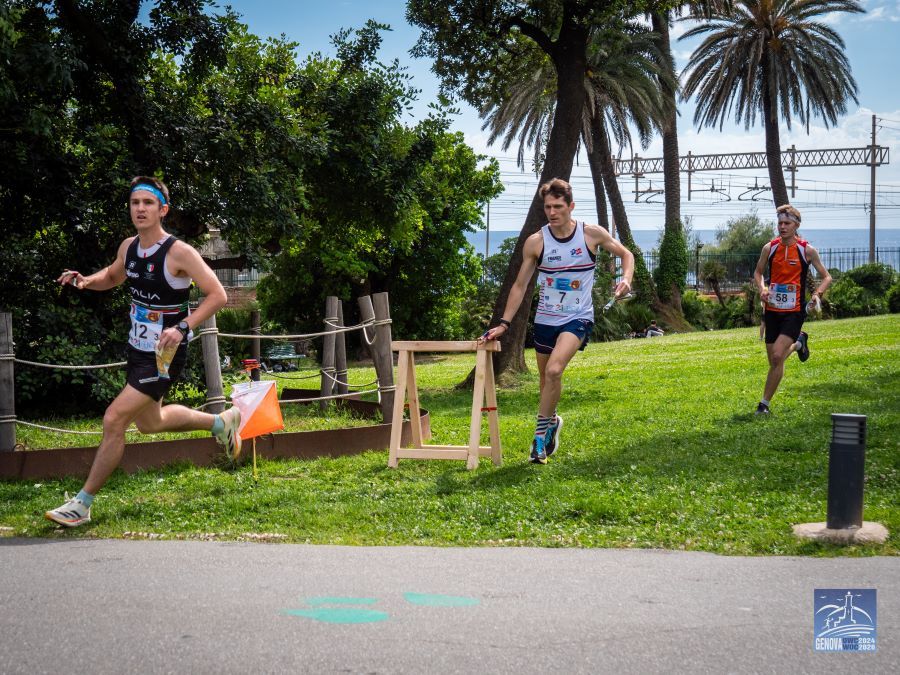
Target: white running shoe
column 71, row 514
column 229, row 438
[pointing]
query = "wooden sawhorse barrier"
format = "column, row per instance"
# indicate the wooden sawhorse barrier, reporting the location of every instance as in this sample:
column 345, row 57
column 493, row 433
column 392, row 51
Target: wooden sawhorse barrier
column 484, row 399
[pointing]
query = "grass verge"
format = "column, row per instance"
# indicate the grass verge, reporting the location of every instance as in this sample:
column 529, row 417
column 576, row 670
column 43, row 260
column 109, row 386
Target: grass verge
column 660, row 449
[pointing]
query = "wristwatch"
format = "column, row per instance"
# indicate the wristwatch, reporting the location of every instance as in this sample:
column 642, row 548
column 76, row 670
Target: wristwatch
column 183, row 327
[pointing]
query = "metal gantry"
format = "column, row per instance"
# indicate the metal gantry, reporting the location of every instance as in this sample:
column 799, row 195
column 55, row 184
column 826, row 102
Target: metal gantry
column 873, row 156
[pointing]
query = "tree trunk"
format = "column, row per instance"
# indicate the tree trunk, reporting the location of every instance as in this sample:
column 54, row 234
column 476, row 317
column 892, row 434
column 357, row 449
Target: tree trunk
column 597, row 178
column 773, row 141
column 673, row 256
column 643, row 283
column 570, row 62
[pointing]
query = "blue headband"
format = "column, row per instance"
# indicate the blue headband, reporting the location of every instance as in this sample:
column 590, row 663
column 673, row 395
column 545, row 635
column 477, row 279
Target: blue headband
column 152, row 190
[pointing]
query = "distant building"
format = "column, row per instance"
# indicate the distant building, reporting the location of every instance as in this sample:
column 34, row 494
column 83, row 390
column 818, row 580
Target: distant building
column 239, row 283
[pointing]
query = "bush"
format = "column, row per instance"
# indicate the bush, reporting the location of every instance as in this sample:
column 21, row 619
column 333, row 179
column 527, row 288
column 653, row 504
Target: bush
column 697, row 311
column 846, row 298
column 876, row 278
column 893, row 298
column 734, row 314
column 621, row 320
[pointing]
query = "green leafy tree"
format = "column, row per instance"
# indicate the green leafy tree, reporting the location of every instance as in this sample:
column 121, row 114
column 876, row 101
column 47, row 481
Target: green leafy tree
column 621, row 85
column 774, row 58
column 743, row 235
column 479, row 48
column 76, row 122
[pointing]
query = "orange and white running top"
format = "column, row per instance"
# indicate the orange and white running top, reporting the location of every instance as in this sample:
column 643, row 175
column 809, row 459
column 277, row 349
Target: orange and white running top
column 788, row 268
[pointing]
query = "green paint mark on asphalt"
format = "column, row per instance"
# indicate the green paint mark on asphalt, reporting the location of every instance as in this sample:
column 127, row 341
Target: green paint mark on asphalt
column 315, row 602
column 339, row 614
column 429, row 600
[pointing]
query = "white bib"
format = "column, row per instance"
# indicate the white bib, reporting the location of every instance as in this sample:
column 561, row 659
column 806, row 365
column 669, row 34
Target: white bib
column 146, row 327
column 562, row 294
column 783, row 296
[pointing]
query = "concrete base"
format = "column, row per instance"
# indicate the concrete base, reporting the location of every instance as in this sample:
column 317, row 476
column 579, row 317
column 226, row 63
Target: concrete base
column 869, row 533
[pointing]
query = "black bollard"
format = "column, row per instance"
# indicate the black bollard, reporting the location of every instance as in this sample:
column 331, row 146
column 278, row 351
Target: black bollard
column 846, row 462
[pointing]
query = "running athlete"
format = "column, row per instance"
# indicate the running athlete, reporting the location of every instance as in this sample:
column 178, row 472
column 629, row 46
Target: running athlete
column 159, row 270
column 788, row 259
column 564, row 251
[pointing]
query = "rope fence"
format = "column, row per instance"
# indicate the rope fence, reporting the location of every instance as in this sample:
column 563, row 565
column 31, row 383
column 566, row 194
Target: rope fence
column 373, row 320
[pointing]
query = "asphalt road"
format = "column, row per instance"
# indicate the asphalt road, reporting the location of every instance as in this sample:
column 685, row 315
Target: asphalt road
column 82, row 606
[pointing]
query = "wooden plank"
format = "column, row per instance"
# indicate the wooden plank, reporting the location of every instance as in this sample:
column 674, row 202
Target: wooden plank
column 397, row 416
column 413, row 395
column 7, row 386
column 212, row 366
column 433, row 452
column 445, row 346
column 327, row 387
column 255, row 329
column 490, row 397
column 340, row 353
column 477, row 402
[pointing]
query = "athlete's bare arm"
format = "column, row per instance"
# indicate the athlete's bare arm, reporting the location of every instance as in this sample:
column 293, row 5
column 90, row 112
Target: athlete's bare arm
column 595, row 237
column 812, row 255
column 530, row 254
column 187, row 262
column 760, row 272
column 109, row 277
column 184, row 261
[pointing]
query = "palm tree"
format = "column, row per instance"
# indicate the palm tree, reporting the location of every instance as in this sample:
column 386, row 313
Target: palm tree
column 620, row 86
column 673, row 252
column 775, row 58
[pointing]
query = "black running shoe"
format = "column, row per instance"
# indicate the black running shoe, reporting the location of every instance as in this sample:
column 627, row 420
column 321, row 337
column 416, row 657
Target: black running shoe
column 803, row 352
column 551, row 440
column 538, row 454
column 763, row 409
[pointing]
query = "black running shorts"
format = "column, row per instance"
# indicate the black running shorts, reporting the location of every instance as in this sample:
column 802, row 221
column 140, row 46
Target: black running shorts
column 783, row 323
column 142, row 373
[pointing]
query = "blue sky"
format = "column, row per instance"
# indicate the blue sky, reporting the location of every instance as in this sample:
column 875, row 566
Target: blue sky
column 829, row 197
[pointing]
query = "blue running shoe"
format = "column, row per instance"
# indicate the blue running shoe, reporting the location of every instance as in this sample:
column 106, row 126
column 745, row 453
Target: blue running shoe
column 538, row 454
column 551, row 440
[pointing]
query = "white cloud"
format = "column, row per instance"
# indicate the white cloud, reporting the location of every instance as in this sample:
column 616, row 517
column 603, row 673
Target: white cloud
column 874, row 15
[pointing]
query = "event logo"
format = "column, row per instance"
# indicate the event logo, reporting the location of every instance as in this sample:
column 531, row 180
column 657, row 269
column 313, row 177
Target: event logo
column 844, row 620
column 575, row 251
column 549, row 281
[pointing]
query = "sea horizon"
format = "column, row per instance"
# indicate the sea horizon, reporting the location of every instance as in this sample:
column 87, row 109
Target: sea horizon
column 648, row 240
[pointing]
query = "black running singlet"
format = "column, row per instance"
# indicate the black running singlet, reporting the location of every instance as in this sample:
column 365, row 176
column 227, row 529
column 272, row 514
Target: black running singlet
column 155, row 305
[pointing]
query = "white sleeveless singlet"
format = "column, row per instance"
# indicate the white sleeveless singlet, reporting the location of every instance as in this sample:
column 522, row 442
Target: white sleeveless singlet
column 565, row 279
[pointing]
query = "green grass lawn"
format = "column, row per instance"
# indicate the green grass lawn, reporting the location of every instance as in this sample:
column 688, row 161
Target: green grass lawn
column 660, row 449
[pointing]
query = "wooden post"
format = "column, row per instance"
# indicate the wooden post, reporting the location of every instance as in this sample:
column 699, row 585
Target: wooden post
column 209, row 343
column 340, row 354
column 382, row 353
column 7, row 385
column 254, row 344
column 331, row 303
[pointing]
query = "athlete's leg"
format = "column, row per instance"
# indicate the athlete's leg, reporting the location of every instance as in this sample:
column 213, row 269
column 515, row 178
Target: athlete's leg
column 567, row 344
column 126, row 407
column 777, row 353
column 158, row 418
